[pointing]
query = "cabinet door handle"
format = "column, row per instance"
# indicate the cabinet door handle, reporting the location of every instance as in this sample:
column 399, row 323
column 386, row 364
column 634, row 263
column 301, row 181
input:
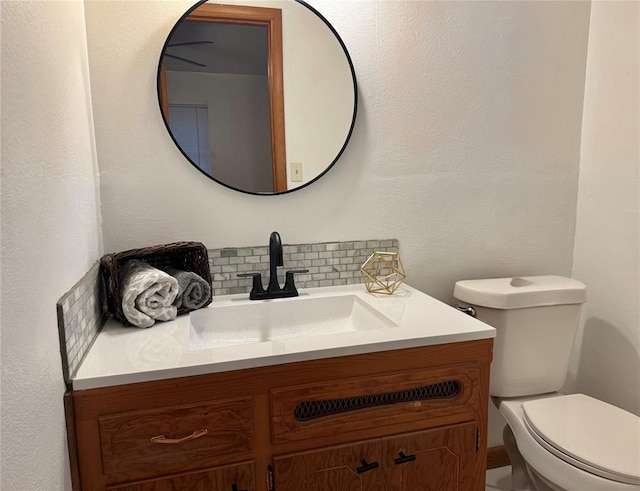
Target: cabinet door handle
column 404, row 458
column 192, row 436
column 366, row 467
column 234, row 487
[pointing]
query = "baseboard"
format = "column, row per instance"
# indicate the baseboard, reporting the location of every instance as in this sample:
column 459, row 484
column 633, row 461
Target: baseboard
column 497, row 457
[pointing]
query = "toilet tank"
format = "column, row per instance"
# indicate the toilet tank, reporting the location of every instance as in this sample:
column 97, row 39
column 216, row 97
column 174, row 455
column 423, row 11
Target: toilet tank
column 536, row 318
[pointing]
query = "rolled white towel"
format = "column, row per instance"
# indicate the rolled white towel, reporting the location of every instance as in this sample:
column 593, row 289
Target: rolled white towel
column 147, row 294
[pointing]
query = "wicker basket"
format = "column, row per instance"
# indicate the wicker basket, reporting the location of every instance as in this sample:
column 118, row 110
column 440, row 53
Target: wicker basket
column 187, row 256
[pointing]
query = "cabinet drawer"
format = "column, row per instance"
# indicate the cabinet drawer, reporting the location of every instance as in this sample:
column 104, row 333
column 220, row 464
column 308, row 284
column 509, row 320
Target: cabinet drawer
column 340, row 406
column 232, row 477
column 146, row 440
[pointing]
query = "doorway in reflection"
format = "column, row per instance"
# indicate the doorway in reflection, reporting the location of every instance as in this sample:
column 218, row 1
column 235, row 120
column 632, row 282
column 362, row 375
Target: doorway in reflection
column 220, row 74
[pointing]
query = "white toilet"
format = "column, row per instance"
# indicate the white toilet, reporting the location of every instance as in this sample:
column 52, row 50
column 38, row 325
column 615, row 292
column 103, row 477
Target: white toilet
column 554, row 441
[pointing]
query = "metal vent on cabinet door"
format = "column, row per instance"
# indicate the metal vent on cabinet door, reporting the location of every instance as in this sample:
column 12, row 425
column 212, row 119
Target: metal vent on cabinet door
column 309, row 410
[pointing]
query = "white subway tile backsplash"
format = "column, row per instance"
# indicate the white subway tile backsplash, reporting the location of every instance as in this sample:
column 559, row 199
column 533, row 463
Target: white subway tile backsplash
column 329, row 263
column 82, row 312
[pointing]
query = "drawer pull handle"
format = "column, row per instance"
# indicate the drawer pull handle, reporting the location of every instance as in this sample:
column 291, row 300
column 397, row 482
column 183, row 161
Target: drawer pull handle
column 366, row 467
column 404, row 458
column 192, row 436
column 234, row 487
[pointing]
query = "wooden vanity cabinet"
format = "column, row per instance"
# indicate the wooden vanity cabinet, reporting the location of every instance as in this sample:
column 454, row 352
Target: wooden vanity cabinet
column 405, row 420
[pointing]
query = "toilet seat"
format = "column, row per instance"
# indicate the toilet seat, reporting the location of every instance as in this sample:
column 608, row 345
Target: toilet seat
column 587, row 433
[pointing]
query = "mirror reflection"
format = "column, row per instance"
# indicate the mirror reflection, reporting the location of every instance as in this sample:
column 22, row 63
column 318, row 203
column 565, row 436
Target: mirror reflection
column 261, row 97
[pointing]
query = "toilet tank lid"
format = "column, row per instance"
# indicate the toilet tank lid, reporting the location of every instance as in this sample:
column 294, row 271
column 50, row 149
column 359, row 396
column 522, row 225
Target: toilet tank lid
column 521, row 292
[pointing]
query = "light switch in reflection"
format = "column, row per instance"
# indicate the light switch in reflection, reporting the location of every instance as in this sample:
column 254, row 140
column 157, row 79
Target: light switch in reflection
column 296, row 171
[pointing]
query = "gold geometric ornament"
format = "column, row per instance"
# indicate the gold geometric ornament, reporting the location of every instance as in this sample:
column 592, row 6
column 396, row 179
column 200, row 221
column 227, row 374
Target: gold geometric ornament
column 383, row 272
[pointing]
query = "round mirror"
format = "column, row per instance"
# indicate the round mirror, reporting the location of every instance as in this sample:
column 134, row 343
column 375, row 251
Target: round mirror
column 259, row 95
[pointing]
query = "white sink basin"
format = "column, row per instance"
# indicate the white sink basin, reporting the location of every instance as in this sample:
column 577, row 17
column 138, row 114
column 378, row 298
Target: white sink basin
column 278, row 320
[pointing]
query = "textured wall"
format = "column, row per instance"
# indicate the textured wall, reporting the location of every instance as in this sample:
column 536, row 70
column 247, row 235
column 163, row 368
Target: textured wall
column 50, row 227
column 466, row 147
column 606, row 361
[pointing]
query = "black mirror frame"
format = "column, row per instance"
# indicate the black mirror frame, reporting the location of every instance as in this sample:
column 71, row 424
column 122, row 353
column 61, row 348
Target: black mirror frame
column 347, row 138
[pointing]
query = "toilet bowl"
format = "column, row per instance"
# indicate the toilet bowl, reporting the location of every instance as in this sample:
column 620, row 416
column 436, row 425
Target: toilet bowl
column 555, row 442
column 570, row 442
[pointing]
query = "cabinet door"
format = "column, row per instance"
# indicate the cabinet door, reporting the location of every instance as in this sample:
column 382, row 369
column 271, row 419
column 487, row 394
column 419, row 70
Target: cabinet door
column 342, row 468
column 441, row 459
column 230, row 478
column 165, row 438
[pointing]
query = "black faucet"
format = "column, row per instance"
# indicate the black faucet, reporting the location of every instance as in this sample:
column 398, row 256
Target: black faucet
column 275, row 260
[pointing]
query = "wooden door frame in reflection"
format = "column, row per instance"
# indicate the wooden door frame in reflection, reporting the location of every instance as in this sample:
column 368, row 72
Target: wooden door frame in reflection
column 272, row 20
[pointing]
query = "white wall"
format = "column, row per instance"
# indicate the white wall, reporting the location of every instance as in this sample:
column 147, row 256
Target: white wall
column 50, row 227
column 606, row 361
column 466, row 147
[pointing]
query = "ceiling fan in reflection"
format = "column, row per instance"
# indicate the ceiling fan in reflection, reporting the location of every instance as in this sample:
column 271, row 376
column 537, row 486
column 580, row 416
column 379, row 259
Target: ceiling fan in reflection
column 186, row 60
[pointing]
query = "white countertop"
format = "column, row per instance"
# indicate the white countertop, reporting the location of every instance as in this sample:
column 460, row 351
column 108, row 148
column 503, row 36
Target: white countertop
column 124, row 355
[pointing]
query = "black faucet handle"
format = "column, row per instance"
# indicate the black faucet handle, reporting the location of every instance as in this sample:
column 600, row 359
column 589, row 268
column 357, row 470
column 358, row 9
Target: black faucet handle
column 249, row 275
column 289, row 283
column 256, row 287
